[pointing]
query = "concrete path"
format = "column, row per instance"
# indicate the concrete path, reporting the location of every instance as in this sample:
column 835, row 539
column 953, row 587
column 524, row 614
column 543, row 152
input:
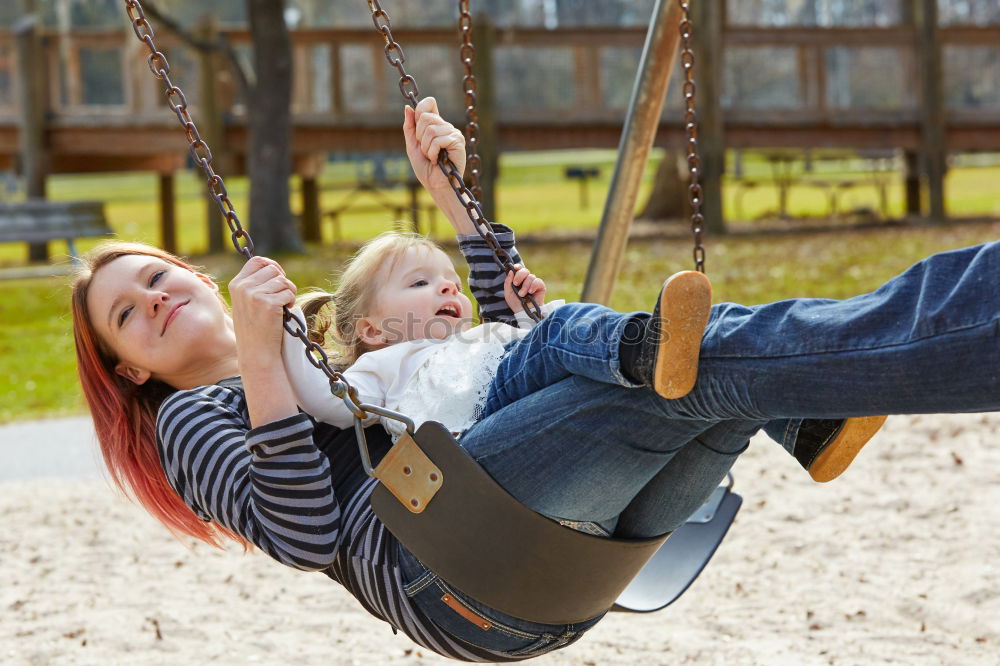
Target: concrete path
column 53, row 448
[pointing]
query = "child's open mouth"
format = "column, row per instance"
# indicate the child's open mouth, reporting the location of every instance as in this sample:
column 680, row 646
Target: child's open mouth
column 448, row 311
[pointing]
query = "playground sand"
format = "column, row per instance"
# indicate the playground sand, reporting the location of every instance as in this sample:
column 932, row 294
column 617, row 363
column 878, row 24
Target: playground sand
column 897, row 562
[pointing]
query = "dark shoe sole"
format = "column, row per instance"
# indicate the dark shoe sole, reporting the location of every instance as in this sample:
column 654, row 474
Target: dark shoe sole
column 838, row 455
column 684, row 307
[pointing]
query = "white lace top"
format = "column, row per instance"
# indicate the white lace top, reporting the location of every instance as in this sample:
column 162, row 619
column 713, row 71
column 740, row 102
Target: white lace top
column 427, row 380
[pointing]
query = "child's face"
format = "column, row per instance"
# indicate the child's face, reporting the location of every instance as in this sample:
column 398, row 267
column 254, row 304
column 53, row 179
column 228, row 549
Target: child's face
column 419, row 296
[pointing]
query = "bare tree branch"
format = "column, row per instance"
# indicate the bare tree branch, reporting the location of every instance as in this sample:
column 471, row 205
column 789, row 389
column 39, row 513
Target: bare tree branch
column 220, row 45
column 177, row 29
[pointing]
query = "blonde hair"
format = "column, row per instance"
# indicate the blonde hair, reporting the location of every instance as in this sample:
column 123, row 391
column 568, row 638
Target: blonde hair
column 355, row 294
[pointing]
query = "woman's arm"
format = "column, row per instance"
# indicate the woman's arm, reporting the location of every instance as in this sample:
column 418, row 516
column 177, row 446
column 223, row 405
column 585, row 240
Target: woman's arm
column 270, row 484
column 311, row 386
column 259, row 292
column 246, row 459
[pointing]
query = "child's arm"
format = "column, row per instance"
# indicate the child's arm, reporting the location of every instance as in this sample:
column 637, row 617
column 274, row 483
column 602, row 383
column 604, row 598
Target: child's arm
column 312, row 387
column 485, row 277
column 426, row 133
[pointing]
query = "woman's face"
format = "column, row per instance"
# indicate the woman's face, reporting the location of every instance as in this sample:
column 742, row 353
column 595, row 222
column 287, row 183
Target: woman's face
column 162, row 320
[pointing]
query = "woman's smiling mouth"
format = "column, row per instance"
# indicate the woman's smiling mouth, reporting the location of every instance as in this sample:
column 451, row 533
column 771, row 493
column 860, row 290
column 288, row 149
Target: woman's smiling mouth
column 171, row 315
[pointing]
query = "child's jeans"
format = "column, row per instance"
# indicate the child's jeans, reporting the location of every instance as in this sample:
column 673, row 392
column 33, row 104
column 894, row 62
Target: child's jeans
column 564, row 432
column 573, row 447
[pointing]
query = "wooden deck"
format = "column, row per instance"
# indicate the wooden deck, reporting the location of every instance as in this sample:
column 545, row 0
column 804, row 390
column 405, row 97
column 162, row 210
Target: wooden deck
column 87, row 130
column 917, row 88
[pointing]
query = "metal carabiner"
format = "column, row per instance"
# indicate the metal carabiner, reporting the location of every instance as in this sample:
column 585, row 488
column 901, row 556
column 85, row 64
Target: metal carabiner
column 362, row 411
column 359, row 431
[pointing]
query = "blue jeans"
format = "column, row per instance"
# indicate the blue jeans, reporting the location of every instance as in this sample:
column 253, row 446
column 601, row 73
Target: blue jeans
column 580, row 339
column 570, row 360
column 578, row 449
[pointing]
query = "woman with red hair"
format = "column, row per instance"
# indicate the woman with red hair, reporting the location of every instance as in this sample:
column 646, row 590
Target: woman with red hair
column 195, row 415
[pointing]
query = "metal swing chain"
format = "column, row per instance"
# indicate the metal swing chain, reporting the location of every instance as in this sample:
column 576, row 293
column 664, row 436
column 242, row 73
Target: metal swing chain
column 202, row 155
column 177, row 102
column 467, row 54
column 408, row 88
column 691, row 128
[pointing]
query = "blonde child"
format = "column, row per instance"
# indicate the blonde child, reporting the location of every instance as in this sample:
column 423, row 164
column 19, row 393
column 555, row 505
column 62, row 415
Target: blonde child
column 408, row 343
column 451, row 372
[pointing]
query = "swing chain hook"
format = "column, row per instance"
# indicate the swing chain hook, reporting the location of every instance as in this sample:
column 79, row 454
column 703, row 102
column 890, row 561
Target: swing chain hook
column 408, row 87
column 691, row 130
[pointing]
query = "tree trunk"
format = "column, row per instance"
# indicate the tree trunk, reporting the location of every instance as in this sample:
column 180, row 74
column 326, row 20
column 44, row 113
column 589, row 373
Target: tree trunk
column 269, row 160
column 668, row 199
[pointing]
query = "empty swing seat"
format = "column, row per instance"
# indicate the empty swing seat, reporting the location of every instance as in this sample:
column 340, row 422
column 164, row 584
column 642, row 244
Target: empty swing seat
column 679, row 561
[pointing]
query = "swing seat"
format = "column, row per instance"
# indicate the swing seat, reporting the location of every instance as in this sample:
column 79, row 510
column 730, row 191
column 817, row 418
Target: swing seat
column 682, row 557
column 483, row 541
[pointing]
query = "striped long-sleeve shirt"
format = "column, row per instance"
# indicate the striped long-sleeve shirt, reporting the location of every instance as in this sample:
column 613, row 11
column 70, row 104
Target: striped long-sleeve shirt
column 296, row 489
column 485, row 278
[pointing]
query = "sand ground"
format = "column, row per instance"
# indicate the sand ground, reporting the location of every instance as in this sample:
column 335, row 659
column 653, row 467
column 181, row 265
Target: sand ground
column 897, row 562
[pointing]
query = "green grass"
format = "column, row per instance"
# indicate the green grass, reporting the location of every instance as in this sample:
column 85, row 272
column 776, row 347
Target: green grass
column 36, row 359
column 37, row 368
column 533, row 195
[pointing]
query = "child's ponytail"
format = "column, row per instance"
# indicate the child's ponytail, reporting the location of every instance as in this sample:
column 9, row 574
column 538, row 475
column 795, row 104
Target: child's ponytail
column 318, row 322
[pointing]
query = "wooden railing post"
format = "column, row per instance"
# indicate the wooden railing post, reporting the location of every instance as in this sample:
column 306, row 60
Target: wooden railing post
column 168, row 212
column 483, row 36
column 32, row 100
column 911, row 182
column 707, row 18
column 932, row 107
column 311, row 227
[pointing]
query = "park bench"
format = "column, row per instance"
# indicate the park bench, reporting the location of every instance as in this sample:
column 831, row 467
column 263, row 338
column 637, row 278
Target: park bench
column 582, row 174
column 39, row 221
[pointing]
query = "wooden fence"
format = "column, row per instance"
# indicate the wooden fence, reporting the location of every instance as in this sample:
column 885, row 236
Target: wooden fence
column 918, row 88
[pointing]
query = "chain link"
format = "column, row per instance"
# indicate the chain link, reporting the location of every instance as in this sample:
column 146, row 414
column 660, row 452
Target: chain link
column 202, row 156
column 200, row 152
column 470, row 88
column 691, row 130
column 482, row 226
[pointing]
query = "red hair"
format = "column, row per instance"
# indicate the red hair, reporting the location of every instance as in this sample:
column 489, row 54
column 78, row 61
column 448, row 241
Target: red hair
column 125, row 413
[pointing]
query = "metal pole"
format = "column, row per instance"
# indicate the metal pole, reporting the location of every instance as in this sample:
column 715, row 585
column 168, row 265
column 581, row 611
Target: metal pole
column 641, row 122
